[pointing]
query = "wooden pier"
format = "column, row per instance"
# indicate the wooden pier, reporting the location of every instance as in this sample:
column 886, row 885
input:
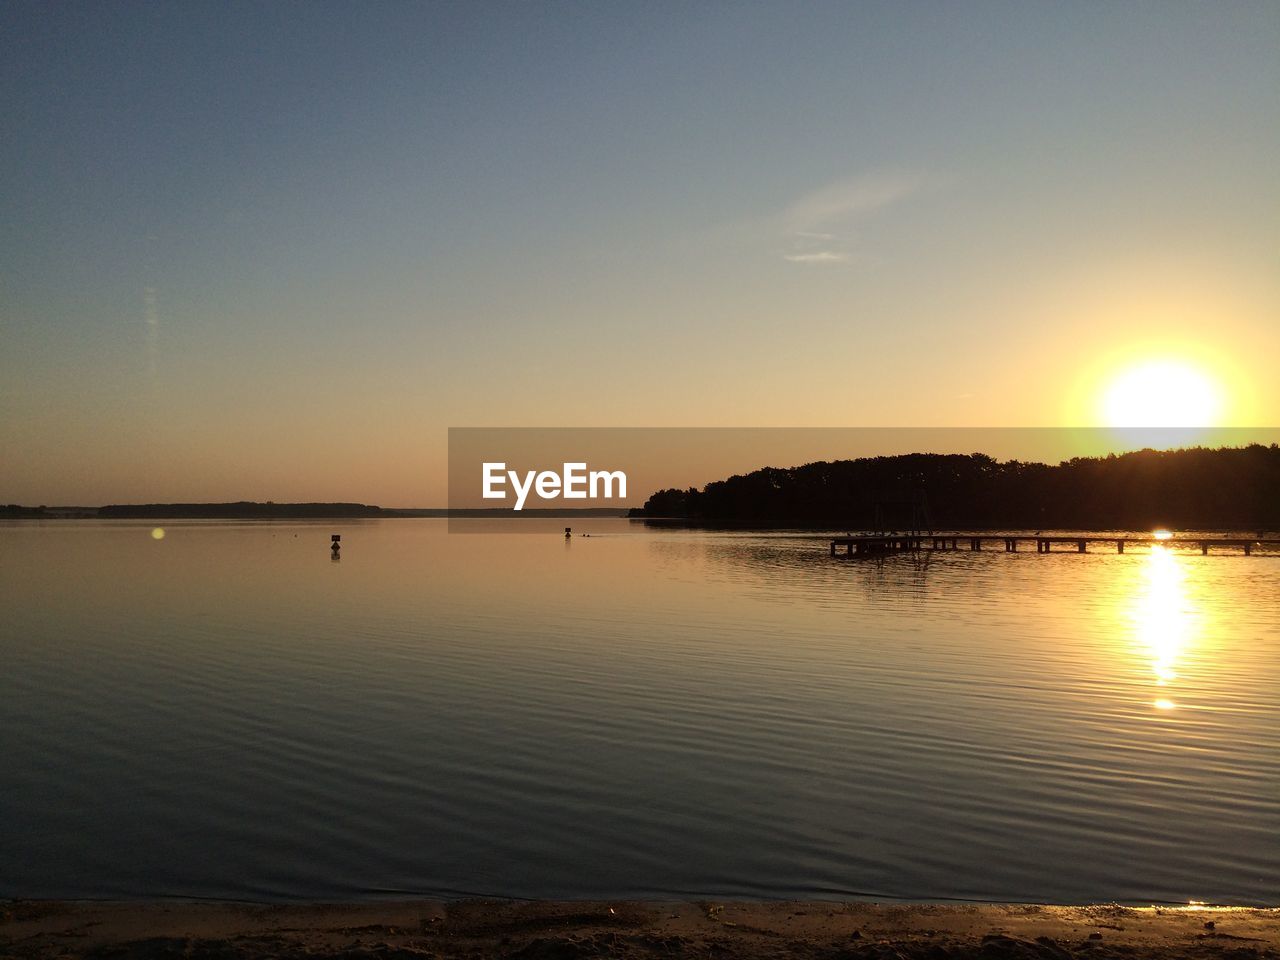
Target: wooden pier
column 878, row 544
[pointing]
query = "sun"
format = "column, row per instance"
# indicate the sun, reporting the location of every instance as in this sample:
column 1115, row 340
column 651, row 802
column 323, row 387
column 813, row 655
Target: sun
column 1162, row 393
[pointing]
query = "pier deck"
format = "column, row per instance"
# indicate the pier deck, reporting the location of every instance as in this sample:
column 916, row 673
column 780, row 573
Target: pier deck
column 863, row 545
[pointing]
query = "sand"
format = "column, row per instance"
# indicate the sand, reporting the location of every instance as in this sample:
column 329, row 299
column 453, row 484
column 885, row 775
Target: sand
column 475, row 929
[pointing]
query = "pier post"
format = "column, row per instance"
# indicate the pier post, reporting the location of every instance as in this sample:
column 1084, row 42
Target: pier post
column 1204, row 548
column 1119, row 546
column 833, row 548
column 1080, row 545
column 1248, row 549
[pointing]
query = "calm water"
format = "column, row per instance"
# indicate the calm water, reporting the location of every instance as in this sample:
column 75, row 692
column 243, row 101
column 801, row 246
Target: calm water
column 227, row 713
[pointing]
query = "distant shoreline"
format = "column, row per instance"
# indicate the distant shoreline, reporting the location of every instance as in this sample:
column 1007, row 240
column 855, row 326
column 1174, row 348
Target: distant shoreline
column 250, row 510
column 569, row 930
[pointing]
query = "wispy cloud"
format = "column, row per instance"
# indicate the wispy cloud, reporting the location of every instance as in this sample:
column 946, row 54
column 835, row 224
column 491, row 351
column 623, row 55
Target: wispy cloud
column 847, row 199
column 819, row 225
column 826, row 227
column 818, row 256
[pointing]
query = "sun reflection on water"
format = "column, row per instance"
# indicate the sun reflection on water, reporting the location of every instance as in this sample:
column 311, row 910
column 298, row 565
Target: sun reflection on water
column 1166, row 620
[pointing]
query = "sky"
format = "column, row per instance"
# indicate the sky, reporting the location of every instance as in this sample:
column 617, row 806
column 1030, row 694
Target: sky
column 274, row 251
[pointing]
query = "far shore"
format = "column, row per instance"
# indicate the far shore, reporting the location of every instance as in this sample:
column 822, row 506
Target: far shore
column 567, row 930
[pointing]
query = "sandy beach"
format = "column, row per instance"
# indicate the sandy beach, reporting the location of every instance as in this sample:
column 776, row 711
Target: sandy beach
column 565, row 930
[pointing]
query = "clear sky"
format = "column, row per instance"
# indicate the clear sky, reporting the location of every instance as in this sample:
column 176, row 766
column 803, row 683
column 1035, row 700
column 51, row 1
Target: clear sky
column 273, row 251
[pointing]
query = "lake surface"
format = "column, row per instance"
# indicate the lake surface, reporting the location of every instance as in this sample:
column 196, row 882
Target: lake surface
column 226, row 712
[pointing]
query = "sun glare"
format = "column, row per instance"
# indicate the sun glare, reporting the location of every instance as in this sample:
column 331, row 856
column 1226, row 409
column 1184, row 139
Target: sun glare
column 1166, row 621
column 1162, row 393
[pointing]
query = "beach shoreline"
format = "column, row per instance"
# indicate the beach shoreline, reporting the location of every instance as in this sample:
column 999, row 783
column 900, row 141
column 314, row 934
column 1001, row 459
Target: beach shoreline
column 564, row 930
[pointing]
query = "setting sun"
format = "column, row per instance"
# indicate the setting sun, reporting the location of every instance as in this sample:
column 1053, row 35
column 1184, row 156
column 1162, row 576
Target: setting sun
column 1162, row 393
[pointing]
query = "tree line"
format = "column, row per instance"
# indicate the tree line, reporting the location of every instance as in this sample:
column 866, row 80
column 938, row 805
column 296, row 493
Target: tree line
column 1223, row 488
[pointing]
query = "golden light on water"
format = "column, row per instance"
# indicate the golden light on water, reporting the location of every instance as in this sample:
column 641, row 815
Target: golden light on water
column 1165, row 619
column 1162, row 535
column 1162, row 393
column 157, row 533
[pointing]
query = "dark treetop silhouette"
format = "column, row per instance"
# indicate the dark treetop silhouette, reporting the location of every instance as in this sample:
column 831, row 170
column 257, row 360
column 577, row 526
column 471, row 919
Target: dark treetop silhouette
column 1227, row 488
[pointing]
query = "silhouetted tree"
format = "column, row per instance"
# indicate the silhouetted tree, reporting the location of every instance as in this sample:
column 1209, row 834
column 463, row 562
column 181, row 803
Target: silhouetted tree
column 1230, row 487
